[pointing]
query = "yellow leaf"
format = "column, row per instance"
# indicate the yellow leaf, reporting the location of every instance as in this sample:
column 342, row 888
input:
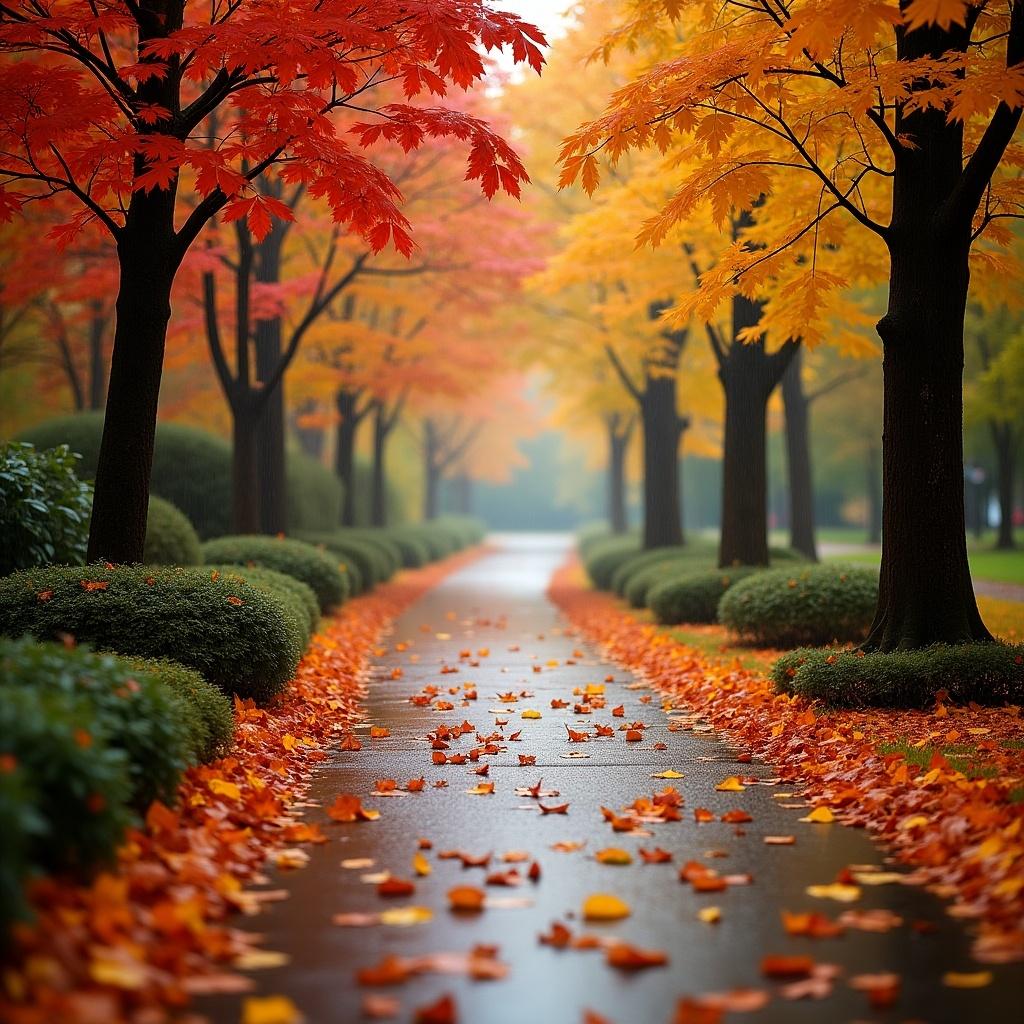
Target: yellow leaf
column 270, row 1010
column 935, row 12
column 260, row 959
column 709, row 915
column 976, row 979
column 530, row 713
column 614, row 855
column 836, row 891
column 289, row 742
column 594, row 689
column 731, row 785
column 223, row 788
column 914, row 821
column 670, row 774
column 421, row 865
column 404, row 917
column 602, row 906
column 821, row 816
column 120, row 972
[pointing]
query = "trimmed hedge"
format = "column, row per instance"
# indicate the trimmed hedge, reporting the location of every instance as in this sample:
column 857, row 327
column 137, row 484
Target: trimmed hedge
column 817, row 605
column 296, row 598
column 21, row 825
column 413, row 546
column 986, row 673
column 170, row 537
column 364, row 564
column 605, row 556
column 44, row 507
column 694, row 596
column 292, row 557
column 236, row 636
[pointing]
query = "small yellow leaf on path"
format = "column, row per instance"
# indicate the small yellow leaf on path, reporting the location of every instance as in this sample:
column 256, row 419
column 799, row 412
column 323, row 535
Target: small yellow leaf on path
column 877, row 877
column 260, row 960
column 118, row 971
column 731, row 785
column 779, row 840
column 602, row 906
column 224, row 788
column 289, row 742
column 404, row 917
column 669, row 774
column 914, row 821
column 420, row 864
column 975, row 979
column 530, row 713
column 835, row 891
column 709, row 915
column 820, row 816
column 270, row 1010
column 614, row 855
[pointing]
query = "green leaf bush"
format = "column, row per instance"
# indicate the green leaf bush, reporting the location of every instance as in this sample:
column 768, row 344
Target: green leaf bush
column 801, row 606
column 170, row 538
column 292, row 557
column 314, row 494
column 296, row 597
column 605, row 555
column 238, row 637
column 985, row 673
column 44, row 507
column 694, row 596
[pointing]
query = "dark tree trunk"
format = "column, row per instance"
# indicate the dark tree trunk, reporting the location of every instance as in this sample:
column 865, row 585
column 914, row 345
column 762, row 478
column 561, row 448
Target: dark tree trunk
column 748, row 375
column 148, row 260
column 1004, row 437
column 798, row 461
column 462, row 486
column 431, row 470
column 379, row 496
column 245, row 491
column 271, row 468
column 874, row 494
column 662, row 430
column 925, row 591
column 97, row 360
column 311, row 439
column 345, row 454
column 618, row 446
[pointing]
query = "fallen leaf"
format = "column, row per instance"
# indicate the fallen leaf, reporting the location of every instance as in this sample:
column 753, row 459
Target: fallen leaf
column 974, row 979
column 270, row 1010
column 709, row 915
column 821, row 816
column 466, row 899
column 669, row 774
column 602, row 906
column 625, row 957
column 731, row 785
column 614, row 855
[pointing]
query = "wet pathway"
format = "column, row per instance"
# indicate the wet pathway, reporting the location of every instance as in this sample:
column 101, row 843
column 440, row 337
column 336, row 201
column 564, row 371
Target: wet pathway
column 498, row 604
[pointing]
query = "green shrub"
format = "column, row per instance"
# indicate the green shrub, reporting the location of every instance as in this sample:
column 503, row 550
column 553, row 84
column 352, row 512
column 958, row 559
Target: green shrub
column 414, row 549
column 191, row 467
column 292, row 557
column 467, row 529
column 78, row 785
column 208, row 716
column 44, row 507
column 696, row 554
column 438, row 543
column 605, row 556
column 314, row 494
column 793, row 607
column 388, row 554
column 296, row 598
column 235, row 635
column 694, row 596
column 139, row 714
column 364, row 563
column 170, row 537
column 21, row 825
column 986, row 673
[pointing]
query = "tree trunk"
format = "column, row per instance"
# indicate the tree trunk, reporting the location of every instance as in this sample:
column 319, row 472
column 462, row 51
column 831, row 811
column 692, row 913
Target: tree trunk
column 1005, row 440
column 874, row 495
column 431, row 471
column 148, row 260
column 618, row 445
column 463, row 488
column 311, row 439
column 798, row 461
column 748, row 375
column 663, row 429
column 379, row 496
column 245, row 489
column 345, row 454
column 97, row 362
column 271, row 468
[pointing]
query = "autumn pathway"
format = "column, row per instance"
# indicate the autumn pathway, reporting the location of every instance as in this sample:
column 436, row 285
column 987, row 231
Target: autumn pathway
column 498, row 603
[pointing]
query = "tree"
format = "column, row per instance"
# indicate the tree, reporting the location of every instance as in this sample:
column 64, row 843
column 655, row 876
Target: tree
column 896, row 118
column 116, row 109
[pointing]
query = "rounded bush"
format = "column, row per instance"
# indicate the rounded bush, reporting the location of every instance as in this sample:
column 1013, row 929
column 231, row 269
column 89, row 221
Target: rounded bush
column 604, row 557
column 139, row 714
column 364, row 564
column 439, row 543
column 313, row 494
column 643, row 581
column 296, row 598
column 292, row 557
column 694, row 555
column 191, row 467
column 414, row 549
column 388, row 553
column 21, row 824
column 694, row 596
column 170, row 537
column 77, row 784
column 44, row 507
column 985, row 673
column 236, row 636
column 789, row 608
column 206, row 712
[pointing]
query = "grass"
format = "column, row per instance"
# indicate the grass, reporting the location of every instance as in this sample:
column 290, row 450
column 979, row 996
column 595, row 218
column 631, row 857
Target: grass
column 962, row 757
column 715, row 642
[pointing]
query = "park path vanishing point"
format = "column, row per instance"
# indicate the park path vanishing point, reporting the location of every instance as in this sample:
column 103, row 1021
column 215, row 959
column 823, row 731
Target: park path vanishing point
column 498, row 603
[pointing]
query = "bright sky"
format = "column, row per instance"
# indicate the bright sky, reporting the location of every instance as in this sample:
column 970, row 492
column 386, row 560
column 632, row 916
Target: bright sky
column 547, row 15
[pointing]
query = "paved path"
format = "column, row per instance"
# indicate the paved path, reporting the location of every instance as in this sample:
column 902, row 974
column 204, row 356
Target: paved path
column 499, row 603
